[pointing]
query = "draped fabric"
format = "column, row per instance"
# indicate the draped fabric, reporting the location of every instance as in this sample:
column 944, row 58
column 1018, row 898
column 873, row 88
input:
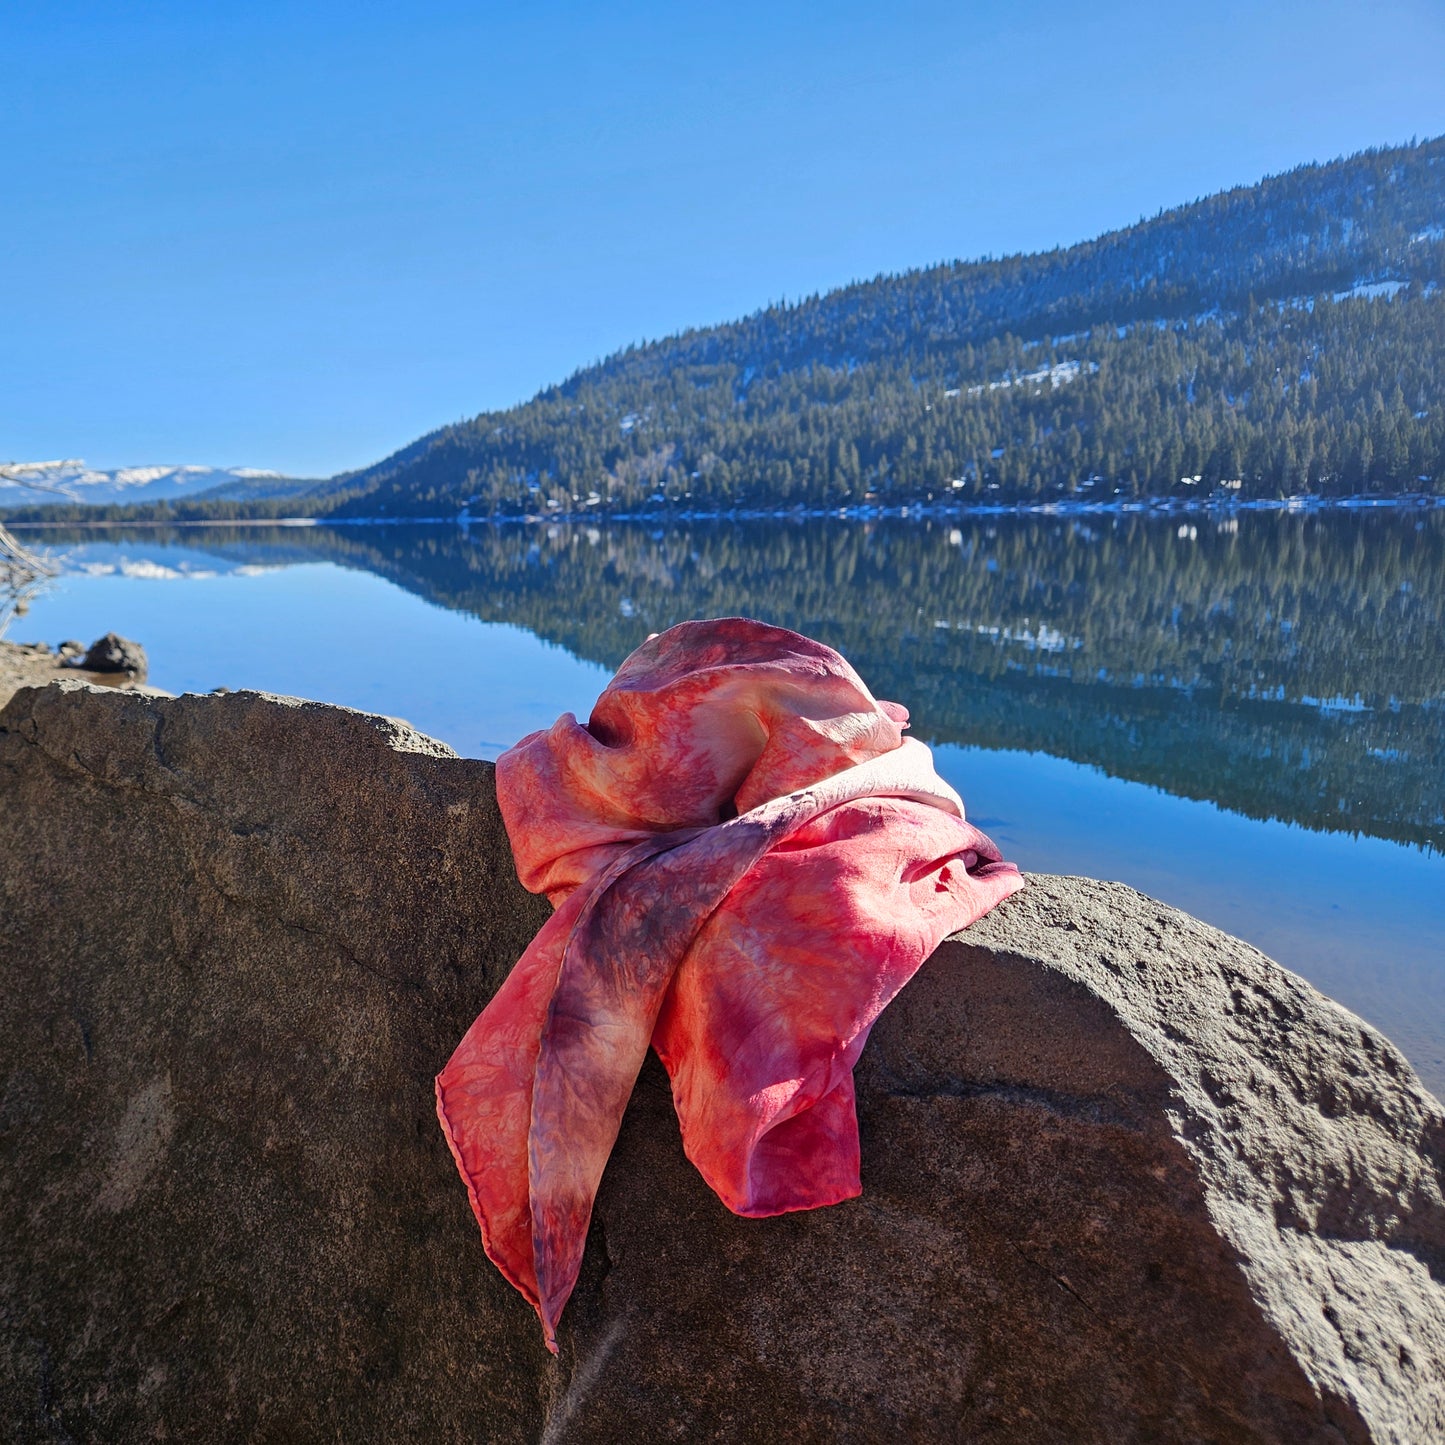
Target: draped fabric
column 747, row 860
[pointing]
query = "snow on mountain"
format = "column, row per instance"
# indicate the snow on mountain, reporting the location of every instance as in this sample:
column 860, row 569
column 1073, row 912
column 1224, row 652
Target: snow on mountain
column 1372, row 289
column 1057, row 374
column 31, row 483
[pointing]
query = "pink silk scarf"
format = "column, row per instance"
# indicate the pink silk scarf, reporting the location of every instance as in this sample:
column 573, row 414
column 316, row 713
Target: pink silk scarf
column 747, row 860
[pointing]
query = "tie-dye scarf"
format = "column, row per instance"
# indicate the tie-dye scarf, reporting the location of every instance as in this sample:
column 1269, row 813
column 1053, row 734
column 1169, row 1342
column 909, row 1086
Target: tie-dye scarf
column 748, row 860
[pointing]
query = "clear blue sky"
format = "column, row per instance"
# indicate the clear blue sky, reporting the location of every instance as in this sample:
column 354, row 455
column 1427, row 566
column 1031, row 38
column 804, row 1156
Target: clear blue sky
column 300, row 235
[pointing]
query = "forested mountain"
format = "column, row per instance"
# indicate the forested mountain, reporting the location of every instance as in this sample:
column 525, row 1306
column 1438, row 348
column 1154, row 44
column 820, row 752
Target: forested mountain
column 1281, row 339
column 1276, row 339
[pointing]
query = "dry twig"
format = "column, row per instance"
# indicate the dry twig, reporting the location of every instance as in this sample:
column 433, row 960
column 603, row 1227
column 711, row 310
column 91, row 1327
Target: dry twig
column 23, row 571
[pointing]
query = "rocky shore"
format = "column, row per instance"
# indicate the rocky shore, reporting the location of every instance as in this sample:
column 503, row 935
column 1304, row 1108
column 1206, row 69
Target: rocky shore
column 110, row 661
column 1125, row 1178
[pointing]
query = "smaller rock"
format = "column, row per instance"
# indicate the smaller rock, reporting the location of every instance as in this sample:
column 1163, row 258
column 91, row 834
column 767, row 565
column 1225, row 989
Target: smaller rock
column 71, row 648
column 113, row 653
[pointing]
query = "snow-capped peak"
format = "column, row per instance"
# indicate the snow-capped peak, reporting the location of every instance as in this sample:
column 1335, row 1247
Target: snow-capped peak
column 30, row 483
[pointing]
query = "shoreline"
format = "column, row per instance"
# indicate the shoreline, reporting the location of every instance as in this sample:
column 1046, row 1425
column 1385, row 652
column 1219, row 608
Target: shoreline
column 37, row 664
column 863, row 512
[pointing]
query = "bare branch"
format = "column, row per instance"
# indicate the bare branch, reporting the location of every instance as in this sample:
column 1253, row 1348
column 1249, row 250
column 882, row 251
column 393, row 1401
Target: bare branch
column 21, row 474
column 24, row 572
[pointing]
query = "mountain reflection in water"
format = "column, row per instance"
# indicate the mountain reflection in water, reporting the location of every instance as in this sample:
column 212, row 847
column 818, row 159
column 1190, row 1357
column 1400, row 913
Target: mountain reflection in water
column 1286, row 668
column 1282, row 666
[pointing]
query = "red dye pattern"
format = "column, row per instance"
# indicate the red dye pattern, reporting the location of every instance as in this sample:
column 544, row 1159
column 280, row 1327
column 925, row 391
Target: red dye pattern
column 748, row 860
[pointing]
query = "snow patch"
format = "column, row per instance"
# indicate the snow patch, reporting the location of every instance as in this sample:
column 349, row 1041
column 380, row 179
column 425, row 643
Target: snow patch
column 1059, row 374
column 1371, row 289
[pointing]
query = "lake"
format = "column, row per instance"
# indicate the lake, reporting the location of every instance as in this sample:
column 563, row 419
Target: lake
column 1242, row 715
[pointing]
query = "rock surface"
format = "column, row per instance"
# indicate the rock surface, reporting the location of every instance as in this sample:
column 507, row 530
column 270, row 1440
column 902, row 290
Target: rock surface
column 1125, row 1179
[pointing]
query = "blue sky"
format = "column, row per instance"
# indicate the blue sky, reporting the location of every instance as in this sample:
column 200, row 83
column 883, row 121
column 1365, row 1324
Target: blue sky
column 298, row 236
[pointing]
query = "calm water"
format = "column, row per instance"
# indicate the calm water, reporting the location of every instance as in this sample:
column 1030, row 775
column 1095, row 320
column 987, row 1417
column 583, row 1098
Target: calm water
column 1242, row 716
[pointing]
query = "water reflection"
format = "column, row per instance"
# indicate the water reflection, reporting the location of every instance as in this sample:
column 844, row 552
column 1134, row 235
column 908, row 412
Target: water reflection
column 1286, row 667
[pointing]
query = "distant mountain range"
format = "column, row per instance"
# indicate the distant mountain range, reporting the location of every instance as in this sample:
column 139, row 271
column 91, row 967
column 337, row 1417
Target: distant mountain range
column 1281, row 339
column 44, row 483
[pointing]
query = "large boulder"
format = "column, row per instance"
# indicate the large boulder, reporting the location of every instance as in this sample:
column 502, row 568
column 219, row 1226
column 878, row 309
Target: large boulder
column 1125, row 1178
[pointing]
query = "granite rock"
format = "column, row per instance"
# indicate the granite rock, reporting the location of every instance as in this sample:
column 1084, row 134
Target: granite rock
column 114, row 653
column 1125, row 1178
